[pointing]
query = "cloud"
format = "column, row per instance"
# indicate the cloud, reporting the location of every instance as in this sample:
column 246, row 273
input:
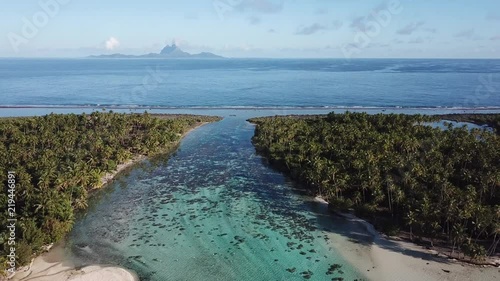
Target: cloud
column 493, row 16
column 187, row 46
column 430, row 30
column 410, row 28
column 321, row 11
column 495, row 38
column 467, row 34
column 311, row 29
column 315, row 27
column 180, row 42
column 337, row 24
column 112, row 43
column 254, row 20
column 359, row 23
column 362, row 23
column 382, row 6
column 271, row 30
column 417, row 40
column 378, row 45
column 261, row 6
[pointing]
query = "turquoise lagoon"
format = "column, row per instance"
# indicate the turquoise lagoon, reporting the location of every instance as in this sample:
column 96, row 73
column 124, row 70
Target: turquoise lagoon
column 214, row 210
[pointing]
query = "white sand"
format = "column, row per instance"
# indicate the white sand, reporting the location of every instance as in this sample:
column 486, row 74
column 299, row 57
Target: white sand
column 52, row 266
column 108, row 177
column 97, row 273
column 386, row 259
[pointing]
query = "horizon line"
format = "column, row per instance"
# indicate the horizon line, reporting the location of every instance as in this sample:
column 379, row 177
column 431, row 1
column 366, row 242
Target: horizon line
column 222, row 57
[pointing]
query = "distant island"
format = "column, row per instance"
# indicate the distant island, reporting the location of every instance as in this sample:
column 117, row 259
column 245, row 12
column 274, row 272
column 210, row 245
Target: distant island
column 169, row 52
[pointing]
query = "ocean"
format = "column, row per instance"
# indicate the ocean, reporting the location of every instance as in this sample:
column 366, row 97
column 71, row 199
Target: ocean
column 251, row 83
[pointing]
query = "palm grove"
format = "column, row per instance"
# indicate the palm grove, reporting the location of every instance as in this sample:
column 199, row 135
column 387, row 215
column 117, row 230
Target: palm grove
column 59, row 159
column 440, row 184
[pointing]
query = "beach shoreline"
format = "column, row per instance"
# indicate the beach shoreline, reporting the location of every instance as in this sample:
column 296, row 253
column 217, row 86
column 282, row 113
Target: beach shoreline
column 110, row 176
column 380, row 257
column 52, row 265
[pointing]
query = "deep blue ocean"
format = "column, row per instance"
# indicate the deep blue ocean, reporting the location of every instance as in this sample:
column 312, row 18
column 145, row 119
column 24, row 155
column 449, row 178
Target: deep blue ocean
column 234, row 83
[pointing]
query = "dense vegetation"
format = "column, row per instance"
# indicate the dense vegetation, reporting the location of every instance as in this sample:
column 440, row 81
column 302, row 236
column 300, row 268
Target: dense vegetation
column 59, row 159
column 439, row 184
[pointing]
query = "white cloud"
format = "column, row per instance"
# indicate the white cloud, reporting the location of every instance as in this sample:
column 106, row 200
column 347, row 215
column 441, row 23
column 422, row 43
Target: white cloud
column 311, row 29
column 112, row 43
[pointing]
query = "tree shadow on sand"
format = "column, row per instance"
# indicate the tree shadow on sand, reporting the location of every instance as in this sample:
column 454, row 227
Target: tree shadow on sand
column 361, row 232
column 352, row 228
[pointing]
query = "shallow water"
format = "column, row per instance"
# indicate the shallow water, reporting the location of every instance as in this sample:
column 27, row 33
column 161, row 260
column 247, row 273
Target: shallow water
column 444, row 125
column 212, row 211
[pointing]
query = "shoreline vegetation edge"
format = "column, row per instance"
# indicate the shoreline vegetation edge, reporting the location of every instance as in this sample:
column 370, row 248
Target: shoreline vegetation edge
column 418, row 251
column 51, row 264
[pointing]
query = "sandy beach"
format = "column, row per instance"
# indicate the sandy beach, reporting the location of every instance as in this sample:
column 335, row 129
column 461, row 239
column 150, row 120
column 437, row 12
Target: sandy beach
column 54, row 266
column 108, row 177
column 386, row 259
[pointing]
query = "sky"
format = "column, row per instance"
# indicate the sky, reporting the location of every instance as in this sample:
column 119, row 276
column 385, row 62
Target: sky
column 253, row 28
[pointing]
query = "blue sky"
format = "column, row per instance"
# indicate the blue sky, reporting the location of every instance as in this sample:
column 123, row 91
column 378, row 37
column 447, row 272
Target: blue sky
column 253, row 28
